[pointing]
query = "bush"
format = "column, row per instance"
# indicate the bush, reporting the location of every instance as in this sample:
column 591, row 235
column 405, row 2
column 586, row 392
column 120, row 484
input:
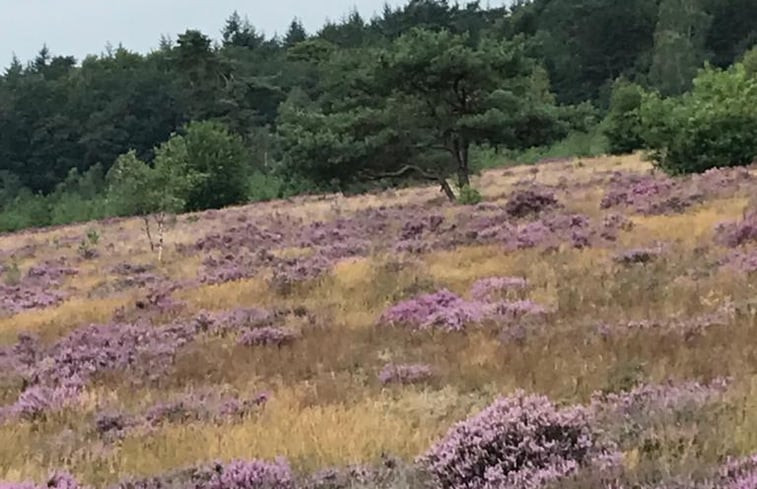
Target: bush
column 623, row 123
column 714, row 125
column 529, row 202
column 220, row 161
column 469, row 196
column 519, row 441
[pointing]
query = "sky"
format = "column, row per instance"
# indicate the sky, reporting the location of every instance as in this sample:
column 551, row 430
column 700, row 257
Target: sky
column 81, row 27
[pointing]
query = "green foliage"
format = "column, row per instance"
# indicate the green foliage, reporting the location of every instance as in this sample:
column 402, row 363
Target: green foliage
column 469, row 196
column 216, row 162
column 750, row 62
column 623, row 123
column 415, row 109
column 713, row 125
column 345, row 107
column 576, row 144
column 679, row 45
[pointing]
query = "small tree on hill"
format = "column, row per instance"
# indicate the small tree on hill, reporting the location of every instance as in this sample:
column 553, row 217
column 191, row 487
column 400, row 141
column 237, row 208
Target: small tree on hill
column 153, row 194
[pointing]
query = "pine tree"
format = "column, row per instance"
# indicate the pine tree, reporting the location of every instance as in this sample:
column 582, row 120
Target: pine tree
column 295, row 34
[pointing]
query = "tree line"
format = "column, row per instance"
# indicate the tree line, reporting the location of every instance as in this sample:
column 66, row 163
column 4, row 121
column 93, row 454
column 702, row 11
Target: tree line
column 409, row 95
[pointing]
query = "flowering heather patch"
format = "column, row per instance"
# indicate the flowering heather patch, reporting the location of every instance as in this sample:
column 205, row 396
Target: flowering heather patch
column 207, row 406
column 251, row 474
column 134, row 275
column 551, row 231
column 292, row 271
column 16, row 299
column 734, row 234
column 249, row 236
column 636, row 191
column 745, row 262
column 36, row 290
column 405, row 374
column 519, row 441
column 613, row 224
column 738, row 474
column 531, row 202
column 112, row 425
column 634, row 410
column 38, row 401
column 50, row 273
column 513, row 310
column 441, row 310
column 268, row 336
column 59, row 373
column 340, row 478
column 415, row 228
column 486, row 288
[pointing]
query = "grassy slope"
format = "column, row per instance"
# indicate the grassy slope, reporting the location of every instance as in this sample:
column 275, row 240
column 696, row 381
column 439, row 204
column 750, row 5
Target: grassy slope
column 327, row 406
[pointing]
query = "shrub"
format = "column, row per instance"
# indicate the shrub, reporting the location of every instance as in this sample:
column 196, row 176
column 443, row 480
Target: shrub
column 714, row 125
column 530, row 202
column 519, row 441
column 440, row 310
column 734, row 234
column 623, row 123
column 221, row 160
column 469, row 196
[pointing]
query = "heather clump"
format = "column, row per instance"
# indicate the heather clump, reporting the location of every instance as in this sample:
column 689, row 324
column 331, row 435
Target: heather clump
column 613, row 225
column 37, row 289
column 531, row 202
column 405, row 373
column 247, row 474
column 199, row 406
column 741, row 261
column 441, row 310
column 738, row 233
column 518, row 441
column 738, row 474
column 634, row 190
column 510, row 311
column 289, row 273
column 637, row 412
column 552, row 231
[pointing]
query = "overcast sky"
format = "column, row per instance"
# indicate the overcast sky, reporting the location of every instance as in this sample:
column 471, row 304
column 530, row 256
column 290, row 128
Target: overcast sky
column 81, row 27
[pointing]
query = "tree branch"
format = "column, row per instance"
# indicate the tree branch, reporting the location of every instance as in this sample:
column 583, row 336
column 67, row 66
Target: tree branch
column 422, row 173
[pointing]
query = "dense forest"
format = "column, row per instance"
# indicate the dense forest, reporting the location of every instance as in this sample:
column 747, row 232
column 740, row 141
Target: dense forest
column 413, row 93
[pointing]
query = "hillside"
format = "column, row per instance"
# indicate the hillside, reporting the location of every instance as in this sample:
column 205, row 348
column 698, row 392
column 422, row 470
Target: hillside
column 337, row 331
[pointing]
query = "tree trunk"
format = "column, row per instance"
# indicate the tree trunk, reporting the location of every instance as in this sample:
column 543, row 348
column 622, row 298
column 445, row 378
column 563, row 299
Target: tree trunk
column 146, row 220
column 447, row 190
column 463, row 169
column 161, row 230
